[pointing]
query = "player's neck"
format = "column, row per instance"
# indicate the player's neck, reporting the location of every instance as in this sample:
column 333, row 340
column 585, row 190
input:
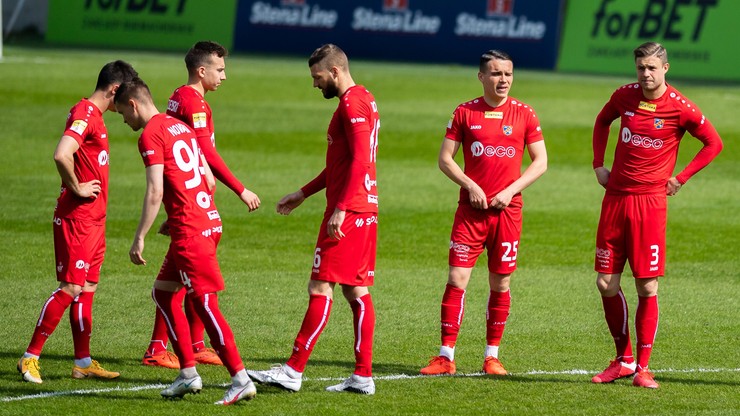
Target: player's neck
column 656, row 93
column 101, row 100
column 196, row 85
column 495, row 101
column 345, row 84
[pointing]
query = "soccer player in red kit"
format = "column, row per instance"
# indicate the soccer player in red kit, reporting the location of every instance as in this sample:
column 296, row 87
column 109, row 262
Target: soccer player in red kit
column 206, row 70
column 81, row 157
column 493, row 131
column 345, row 250
column 178, row 176
column 653, row 118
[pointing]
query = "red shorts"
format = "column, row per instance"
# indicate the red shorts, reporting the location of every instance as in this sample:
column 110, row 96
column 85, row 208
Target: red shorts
column 192, row 261
column 351, row 260
column 632, row 228
column 79, row 249
column 498, row 231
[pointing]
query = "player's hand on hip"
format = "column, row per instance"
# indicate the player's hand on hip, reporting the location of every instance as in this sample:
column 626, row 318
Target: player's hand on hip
column 250, row 199
column 602, row 175
column 290, row 202
column 672, row 186
column 334, row 226
column 88, row 189
column 164, row 229
column 137, row 249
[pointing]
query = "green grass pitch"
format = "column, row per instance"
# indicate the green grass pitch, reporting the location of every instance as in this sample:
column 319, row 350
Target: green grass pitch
column 270, row 128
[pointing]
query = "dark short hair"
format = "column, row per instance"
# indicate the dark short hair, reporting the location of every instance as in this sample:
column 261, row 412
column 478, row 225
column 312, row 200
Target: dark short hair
column 136, row 88
column 491, row 55
column 116, row 72
column 200, row 54
column 330, row 54
column 651, row 49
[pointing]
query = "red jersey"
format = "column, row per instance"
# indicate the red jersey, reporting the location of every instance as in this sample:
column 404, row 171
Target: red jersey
column 85, row 124
column 650, row 133
column 349, row 176
column 187, row 200
column 190, row 107
column 493, row 142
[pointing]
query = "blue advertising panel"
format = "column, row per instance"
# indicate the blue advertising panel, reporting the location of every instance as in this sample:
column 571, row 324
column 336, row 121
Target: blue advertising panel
column 409, row 30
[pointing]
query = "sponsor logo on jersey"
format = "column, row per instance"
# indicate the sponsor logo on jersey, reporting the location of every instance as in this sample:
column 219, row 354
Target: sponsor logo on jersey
column 357, row 120
column 371, row 273
column 147, row 153
column 629, row 113
column 640, row 141
column 173, row 105
column 369, row 183
column 494, row 114
column 508, row 130
column 60, row 267
column 359, row 222
column 199, row 120
column 213, row 215
column 372, row 199
column 478, row 149
column 103, row 158
column 476, row 127
column 57, row 221
column 78, row 126
column 658, row 123
column 647, row 106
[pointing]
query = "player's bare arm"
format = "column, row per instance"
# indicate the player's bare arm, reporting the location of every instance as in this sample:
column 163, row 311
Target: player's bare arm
column 290, row 202
column 453, row 171
column 538, row 154
column 64, row 159
column 602, row 175
column 149, row 211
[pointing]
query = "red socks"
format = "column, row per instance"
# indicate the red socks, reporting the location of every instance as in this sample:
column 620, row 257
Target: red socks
column 170, row 306
column 159, row 334
column 499, row 304
column 222, row 338
column 646, row 326
column 314, row 322
column 363, row 313
column 453, row 310
column 196, row 324
column 80, row 318
column 51, row 314
column 617, row 318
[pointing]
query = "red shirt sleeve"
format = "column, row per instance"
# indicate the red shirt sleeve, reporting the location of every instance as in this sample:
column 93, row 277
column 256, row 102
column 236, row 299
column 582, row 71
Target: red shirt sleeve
column 318, row 183
column 601, row 131
column 699, row 126
column 358, row 139
column 218, row 166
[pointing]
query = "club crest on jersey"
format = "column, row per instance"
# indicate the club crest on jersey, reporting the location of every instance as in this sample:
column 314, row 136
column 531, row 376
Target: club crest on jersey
column 658, row 123
column 494, row 114
column 647, row 106
column 508, row 130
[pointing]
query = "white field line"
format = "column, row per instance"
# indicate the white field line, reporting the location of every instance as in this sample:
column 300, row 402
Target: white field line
column 388, row 377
